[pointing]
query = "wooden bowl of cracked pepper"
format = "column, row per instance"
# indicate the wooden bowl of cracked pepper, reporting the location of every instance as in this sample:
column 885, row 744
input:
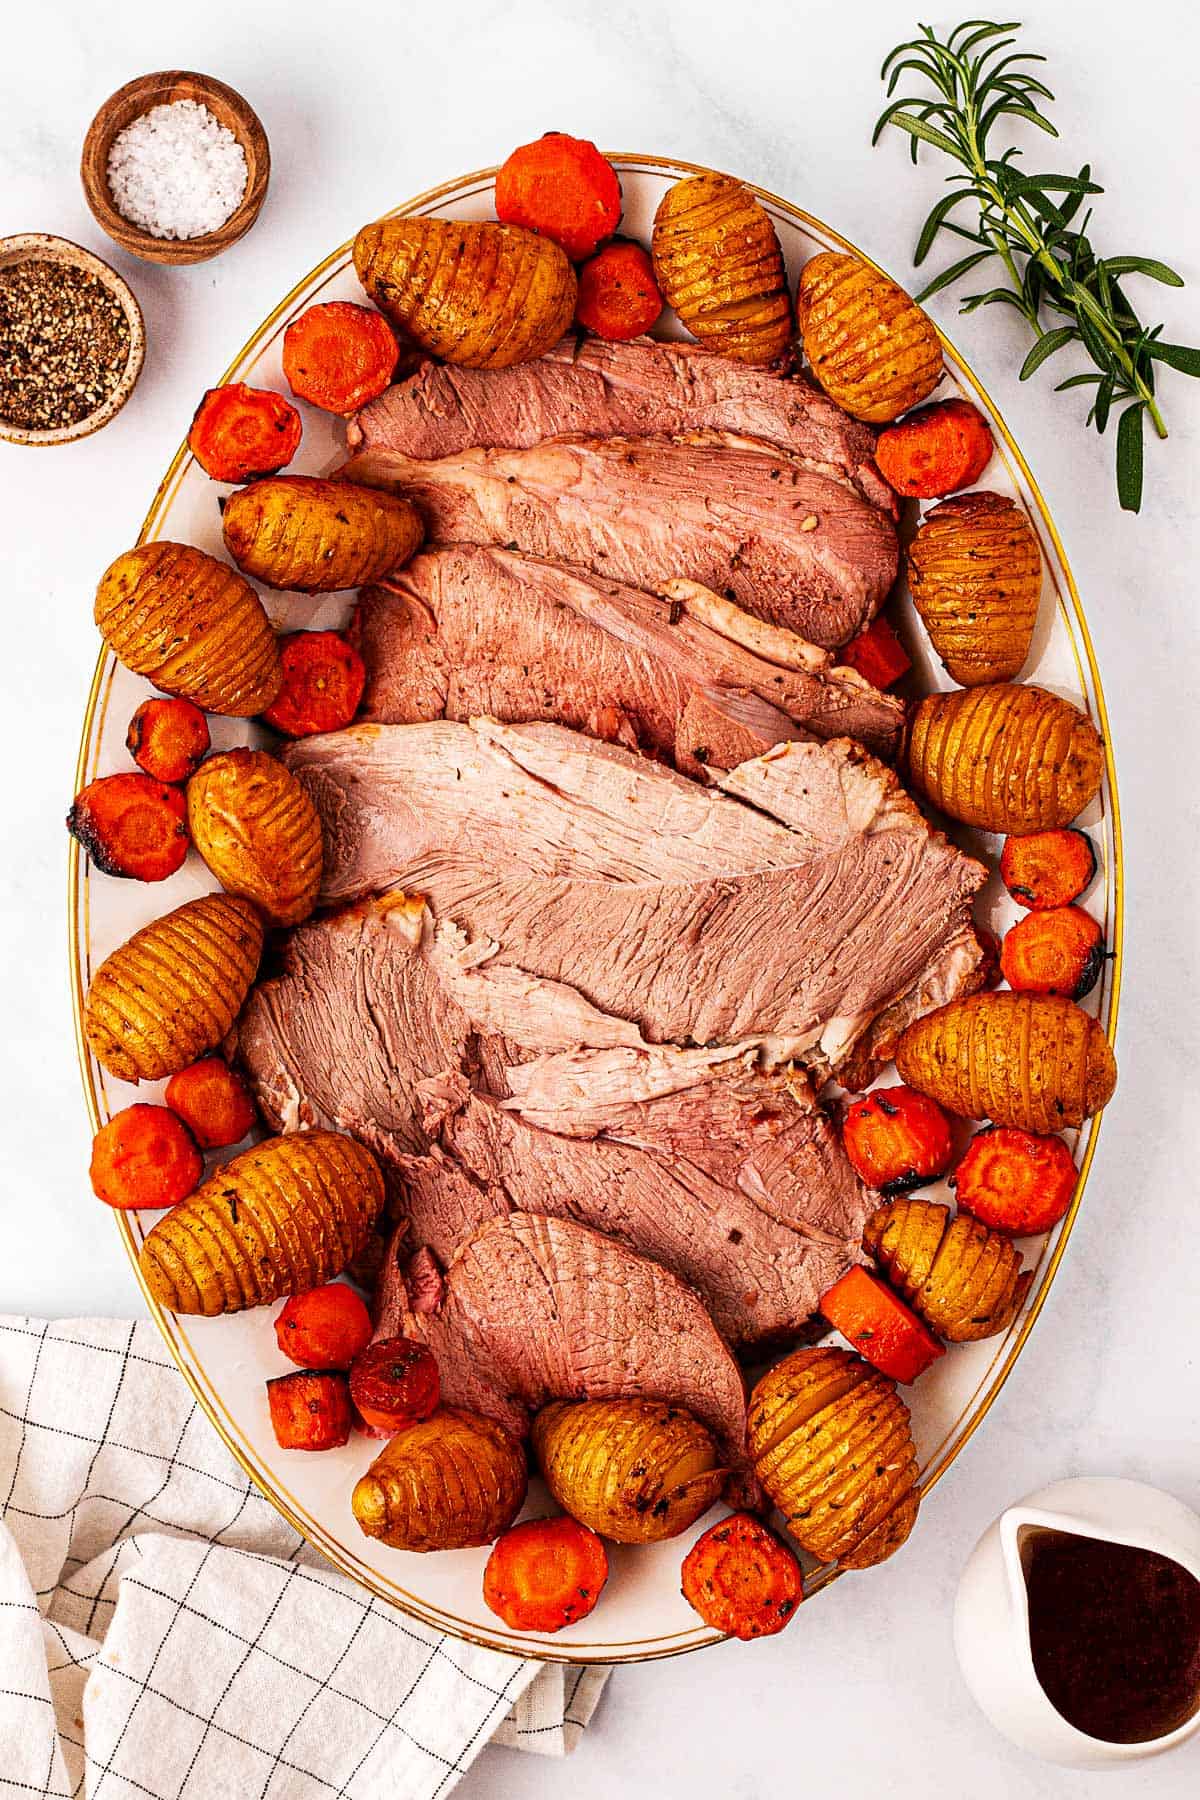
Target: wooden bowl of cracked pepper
column 72, row 340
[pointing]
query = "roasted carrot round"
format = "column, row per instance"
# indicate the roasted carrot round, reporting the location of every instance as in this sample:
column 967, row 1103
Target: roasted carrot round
column 1014, row 1181
column 1048, row 868
column 880, row 1326
column 323, row 680
column 131, row 825
column 325, row 1328
column 877, row 655
column 562, row 188
column 240, row 432
column 213, row 1101
column 394, row 1383
column 144, row 1157
column 935, row 450
column 741, row 1579
column 897, row 1139
column 310, row 1410
column 168, row 739
column 618, row 295
column 1056, row 952
column 545, row 1574
column 338, row 355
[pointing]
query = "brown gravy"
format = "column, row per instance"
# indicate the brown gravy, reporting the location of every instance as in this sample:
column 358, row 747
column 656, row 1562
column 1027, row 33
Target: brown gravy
column 1115, row 1636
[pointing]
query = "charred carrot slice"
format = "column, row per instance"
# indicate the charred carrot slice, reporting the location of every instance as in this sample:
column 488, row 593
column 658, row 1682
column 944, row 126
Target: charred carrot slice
column 239, row 432
column 618, row 295
column 897, row 1139
column 213, row 1101
column 741, row 1579
column 323, row 680
column 1015, row 1181
column 880, row 1326
column 545, row 1574
column 338, row 355
column 1048, row 868
column 562, row 188
column 310, row 1410
column 144, row 1157
column 935, row 450
column 168, row 739
column 394, row 1383
column 1056, row 952
column 131, row 825
column 877, row 655
column 325, row 1328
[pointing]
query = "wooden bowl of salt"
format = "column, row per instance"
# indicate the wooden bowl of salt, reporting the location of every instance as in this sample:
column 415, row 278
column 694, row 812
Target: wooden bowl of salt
column 161, row 239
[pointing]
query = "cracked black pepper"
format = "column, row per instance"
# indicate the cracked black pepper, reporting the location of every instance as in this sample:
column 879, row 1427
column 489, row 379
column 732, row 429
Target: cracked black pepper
column 64, row 344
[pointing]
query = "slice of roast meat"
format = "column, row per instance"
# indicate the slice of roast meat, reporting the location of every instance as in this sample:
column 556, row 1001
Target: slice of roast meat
column 798, row 904
column 535, row 1309
column 472, row 629
column 786, row 543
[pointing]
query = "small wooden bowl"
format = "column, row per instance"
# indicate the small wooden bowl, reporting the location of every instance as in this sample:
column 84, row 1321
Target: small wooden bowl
column 40, row 246
column 129, row 103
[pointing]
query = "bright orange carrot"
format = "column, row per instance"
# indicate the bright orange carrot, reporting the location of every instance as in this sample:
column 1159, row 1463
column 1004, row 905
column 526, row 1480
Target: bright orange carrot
column 144, row 1157
column 310, row 1410
column 618, row 295
column 545, row 1574
column 1060, row 951
column 213, row 1101
column 323, row 680
column 878, row 1324
column 897, row 1139
column 562, row 188
column 394, row 1383
column 168, row 739
column 326, row 1328
column 1015, row 1181
column 741, row 1579
column 1048, row 868
column 935, row 450
column 338, row 355
column 131, row 825
column 240, row 432
column 877, row 655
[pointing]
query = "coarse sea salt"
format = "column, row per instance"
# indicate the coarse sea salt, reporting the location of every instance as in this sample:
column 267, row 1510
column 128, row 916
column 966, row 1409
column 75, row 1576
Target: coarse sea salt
column 177, row 171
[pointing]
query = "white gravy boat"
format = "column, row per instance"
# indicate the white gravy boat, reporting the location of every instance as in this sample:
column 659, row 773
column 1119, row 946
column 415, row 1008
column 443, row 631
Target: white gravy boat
column 991, row 1612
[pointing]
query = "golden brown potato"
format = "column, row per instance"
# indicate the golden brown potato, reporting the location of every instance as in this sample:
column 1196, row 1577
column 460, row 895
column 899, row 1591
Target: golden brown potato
column 870, row 346
column 964, row 1280
column 454, row 1481
column 636, row 1471
column 975, row 574
column 483, row 295
column 170, row 994
column 192, row 626
column 829, row 1439
column 314, row 536
column 718, row 262
column 258, row 831
column 1006, row 758
column 1036, row 1061
column 279, row 1219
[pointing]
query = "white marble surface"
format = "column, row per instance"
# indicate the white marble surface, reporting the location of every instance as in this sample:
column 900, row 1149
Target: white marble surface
column 861, row 1695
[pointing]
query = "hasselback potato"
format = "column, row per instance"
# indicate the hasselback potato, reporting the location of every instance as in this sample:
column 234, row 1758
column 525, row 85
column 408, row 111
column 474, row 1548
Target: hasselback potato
column 965, row 1281
column 192, row 626
column 870, row 346
column 718, row 262
column 258, row 831
column 975, row 573
column 636, row 1471
column 483, row 295
column 279, row 1219
column 315, row 536
column 1036, row 1061
column 1005, row 757
column 829, row 1439
column 453, row 1481
column 171, row 993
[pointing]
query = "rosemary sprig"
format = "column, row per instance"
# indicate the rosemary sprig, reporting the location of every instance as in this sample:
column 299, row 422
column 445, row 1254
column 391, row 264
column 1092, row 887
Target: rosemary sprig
column 1064, row 291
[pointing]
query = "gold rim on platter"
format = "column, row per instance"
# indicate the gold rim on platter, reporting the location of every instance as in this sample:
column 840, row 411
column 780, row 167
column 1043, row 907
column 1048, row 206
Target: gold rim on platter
column 993, row 1378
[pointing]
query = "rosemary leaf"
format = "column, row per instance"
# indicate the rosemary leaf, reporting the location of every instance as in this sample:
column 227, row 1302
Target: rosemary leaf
column 1129, row 457
column 1046, row 346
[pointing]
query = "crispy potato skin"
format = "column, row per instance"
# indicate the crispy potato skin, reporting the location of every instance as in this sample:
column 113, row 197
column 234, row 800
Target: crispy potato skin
column 870, row 346
column 829, row 1439
column 965, row 1281
column 482, row 295
column 258, row 831
column 454, row 1481
column 192, row 626
column 1008, row 758
column 718, row 262
column 170, row 994
column 1036, row 1061
column 314, row 536
column 636, row 1471
column 975, row 573
column 279, row 1219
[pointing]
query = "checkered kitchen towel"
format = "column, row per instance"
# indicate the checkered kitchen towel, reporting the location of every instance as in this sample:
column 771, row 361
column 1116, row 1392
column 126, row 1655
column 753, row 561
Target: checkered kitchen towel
column 165, row 1635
